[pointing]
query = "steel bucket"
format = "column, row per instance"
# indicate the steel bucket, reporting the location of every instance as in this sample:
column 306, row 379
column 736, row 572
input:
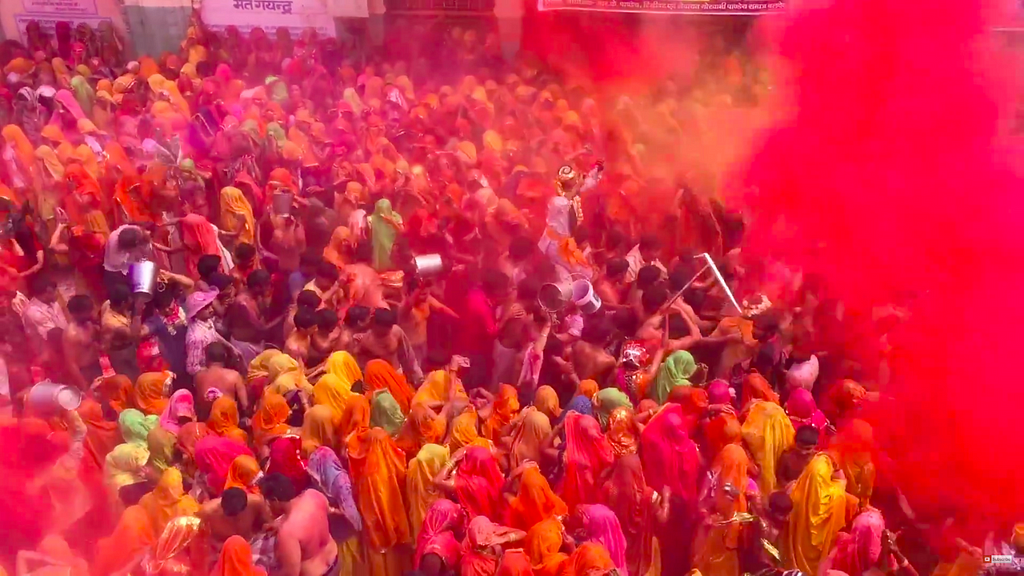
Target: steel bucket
column 282, row 203
column 143, row 277
column 583, row 295
column 553, row 296
column 428, row 265
column 50, row 397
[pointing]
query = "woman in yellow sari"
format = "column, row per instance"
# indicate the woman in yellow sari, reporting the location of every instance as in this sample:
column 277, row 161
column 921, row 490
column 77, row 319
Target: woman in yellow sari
column 285, row 374
column 546, row 400
column 22, row 163
column 768, row 432
column 260, row 365
column 236, row 215
column 464, row 431
column 53, row 165
column 318, row 430
column 379, row 477
column 435, row 389
column 420, row 489
column 344, row 367
column 168, row 501
column 821, row 507
column 331, row 392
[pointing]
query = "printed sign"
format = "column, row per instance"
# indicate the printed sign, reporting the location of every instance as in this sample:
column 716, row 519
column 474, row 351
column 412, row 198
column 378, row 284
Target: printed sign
column 726, row 7
column 295, row 15
column 61, row 7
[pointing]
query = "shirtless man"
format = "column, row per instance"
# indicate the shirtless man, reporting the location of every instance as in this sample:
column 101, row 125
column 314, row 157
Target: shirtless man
column 234, row 513
column 387, row 341
column 81, row 342
column 326, row 285
column 325, row 338
column 215, row 376
column 589, row 355
column 304, row 543
column 364, row 282
column 245, row 316
column 612, row 286
column 298, row 342
column 288, row 241
column 357, row 322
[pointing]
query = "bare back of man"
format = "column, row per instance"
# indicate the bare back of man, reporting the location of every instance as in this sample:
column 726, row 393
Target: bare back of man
column 591, row 361
column 229, row 382
column 364, row 286
column 82, row 349
column 304, row 538
column 246, row 523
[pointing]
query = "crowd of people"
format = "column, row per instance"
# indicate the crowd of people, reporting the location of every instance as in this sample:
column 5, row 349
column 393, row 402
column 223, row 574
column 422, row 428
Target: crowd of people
column 362, row 354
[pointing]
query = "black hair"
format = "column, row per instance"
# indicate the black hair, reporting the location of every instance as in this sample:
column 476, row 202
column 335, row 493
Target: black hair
column 276, row 487
column 129, row 238
column 163, row 299
column 327, row 270
column 356, row 315
column 216, row 353
column 596, row 331
column 616, row 267
column 80, row 304
column 207, row 264
column 326, row 319
column 119, row 295
column 305, row 318
column 495, row 281
column 233, row 501
column 310, row 259
column 245, row 251
column 626, row 321
column 677, row 327
column 308, row 299
column 42, row 283
column 520, row 248
column 649, row 242
column 528, row 289
column 258, row 279
column 780, row 504
column 384, row 317
column 363, row 252
column 221, row 281
column 653, row 298
column 358, row 387
column 614, row 239
column 807, row 436
column 647, row 276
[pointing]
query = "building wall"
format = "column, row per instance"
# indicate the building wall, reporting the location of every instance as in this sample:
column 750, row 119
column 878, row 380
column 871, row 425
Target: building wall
column 156, row 26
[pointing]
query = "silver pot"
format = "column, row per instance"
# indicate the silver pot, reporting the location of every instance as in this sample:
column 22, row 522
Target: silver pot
column 554, row 296
column 50, row 397
column 143, row 277
column 584, row 297
column 428, row 265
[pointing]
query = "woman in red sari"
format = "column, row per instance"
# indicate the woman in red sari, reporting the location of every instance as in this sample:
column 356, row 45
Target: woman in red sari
column 478, row 482
column 587, row 455
column 200, row 239
column 639, row 509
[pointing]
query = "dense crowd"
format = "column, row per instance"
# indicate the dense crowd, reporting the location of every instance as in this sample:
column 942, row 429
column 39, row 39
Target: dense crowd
column 360, row 355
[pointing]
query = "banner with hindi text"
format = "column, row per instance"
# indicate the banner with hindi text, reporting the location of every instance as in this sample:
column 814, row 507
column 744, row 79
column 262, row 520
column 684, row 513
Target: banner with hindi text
column 295, row 15
column 723, row 7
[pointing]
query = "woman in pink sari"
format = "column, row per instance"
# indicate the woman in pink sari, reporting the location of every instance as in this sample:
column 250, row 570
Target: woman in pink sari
column 587, row 455
column 860, row 550
column 442, row 530
column 181, row 409
column 803, row 411
column 671, row 459
column 597, row 523
column 214, row 456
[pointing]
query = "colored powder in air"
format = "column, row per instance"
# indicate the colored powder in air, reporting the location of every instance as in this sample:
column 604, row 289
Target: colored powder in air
column 890, row 174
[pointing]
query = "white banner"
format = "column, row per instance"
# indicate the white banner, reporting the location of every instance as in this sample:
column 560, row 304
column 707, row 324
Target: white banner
column 295, row 15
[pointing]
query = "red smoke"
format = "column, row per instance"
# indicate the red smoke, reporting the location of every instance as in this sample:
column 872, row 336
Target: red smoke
column 891, row 174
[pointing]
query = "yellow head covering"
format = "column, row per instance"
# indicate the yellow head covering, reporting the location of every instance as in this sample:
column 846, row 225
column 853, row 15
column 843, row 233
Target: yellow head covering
column 236, row 214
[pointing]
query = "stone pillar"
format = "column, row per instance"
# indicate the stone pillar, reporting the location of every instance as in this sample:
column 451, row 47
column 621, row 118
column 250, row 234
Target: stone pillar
column 510, row 24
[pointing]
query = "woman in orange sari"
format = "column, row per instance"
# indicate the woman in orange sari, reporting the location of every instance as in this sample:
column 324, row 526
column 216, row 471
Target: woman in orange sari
column 167, row 501
column 422, row 426
column 504, row 410
column 587, row 455
column 528, row 439
column 356, row 416
column 85, row 204
column 534, row 501
column 590, row 559
column 464, row 431
column 149, row 396
column 244, row 473
column 378, row 474
column 717, row 544
column 270, row 420
column 380, row 375
column 131, row 538
column 546, row 400
column 236, row 559
column 544, row 545
column 852, row 449
column 223, row 420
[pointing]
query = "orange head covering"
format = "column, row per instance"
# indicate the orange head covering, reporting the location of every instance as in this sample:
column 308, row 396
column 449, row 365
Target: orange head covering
column 149, row 392
column 380, row 375
column 101, row 436
column 116, row 391
column 422, row 426
column 546, row 400
column 168, row 500
column 723, row 430
column 622, row 432
column 223, row 420
column 755, row 387
column 528, row 439
column 506, row 406
column 270, row 420
column 133, row 534
column 236, row 559
column 464, row 431
column 535, row 501
column 587, row 388
column 543, row 544
column 356, row 416
column 588, row 560
column 378, row 474
column 244, row 473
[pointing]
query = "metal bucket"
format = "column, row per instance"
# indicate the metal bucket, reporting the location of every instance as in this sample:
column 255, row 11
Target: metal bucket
column 143, row 277
column 584, row 297
column 555, row 296
column 50, row 397
column 428, row 265
column 282, row 203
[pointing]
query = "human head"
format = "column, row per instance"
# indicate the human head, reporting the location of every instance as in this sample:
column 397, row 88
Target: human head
column 216, row 353
column 81, row 308
column 120, row 297
column 779, row 506
column 305, row 320
column 233, row 501
column 615, row 269
column 597, row 331
column 520, row 249
column 431, row 565
column 326, row 275
column 44, row 289
column 258, row 283
column 496, row 284
column 807, row 439
column 225, row 286
column 131, row 238
column 326, row 320
column 647, row 277
column 384, row 319
column 650, row 248
column 356, row 317
column 245, row 255
column 308, row 299
column 653, row 298
column 308, row 263
column 164, row 302
column 207, row 265
column 278, row 491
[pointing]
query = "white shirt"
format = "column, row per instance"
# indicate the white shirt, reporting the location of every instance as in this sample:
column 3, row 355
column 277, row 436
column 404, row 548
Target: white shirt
column 115, row 259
